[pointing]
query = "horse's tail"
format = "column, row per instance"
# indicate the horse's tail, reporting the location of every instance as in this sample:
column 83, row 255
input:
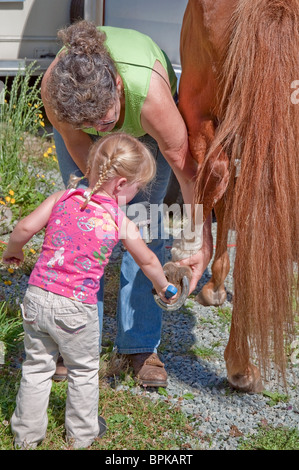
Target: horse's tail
column 261, row 127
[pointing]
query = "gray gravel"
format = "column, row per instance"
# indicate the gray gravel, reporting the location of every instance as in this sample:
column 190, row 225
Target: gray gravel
column 198, row 385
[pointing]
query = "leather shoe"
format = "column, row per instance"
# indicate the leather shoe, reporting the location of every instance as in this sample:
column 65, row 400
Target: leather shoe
column 148, row 369
column 61, row 371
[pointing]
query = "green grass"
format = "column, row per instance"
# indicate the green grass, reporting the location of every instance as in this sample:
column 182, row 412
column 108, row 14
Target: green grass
column 134, row 422
column 272, row 438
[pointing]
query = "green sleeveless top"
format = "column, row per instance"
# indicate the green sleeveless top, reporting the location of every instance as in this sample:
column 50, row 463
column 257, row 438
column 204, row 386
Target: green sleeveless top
column 134, row 55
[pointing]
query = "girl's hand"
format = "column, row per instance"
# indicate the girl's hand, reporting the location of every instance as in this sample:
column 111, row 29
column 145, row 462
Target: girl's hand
column 162, row 292
column 13, row 258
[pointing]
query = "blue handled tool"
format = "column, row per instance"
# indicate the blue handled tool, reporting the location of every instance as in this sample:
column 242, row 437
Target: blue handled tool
column 170, row 291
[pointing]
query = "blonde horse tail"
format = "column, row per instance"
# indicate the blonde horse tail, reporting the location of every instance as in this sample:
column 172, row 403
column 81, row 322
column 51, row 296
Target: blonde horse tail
column 260, row 126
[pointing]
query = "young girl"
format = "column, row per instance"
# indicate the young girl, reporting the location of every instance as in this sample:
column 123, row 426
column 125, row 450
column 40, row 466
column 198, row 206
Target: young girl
column 59, row 309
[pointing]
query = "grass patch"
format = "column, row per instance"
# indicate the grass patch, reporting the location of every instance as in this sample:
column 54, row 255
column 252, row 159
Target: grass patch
column 272, row 438
column 11, row 330
column 205, row 352
column 134, row 421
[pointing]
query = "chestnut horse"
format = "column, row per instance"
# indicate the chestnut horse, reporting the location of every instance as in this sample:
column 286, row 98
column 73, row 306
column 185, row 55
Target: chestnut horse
column 239, row 59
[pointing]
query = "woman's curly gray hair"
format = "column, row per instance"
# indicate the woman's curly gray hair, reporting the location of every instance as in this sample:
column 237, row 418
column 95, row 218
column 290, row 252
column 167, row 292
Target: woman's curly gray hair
column 82, row 85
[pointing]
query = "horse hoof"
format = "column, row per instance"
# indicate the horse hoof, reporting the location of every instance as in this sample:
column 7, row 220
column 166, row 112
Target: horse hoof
column 250, row 382
column 180, row 277
column 208, row 297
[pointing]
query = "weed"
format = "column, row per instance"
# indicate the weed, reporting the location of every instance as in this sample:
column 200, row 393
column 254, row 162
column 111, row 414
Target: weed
column 271, row 438
column 275, row 397
column 204, row 352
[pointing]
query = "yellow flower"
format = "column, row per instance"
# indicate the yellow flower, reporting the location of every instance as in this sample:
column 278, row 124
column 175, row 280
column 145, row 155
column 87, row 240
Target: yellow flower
column 10, row 270
column 36, row 106
column 32, row 250
column 7, row 199
column 49, row 150
column 42, row 123
column 43, row 176
column 2, row 202
column 37, row 175
column 46, row 155
column 7, row 283
column 12, row 201
column 40, row 116
column 11, row 192
column 29, row 104
column 54, row 146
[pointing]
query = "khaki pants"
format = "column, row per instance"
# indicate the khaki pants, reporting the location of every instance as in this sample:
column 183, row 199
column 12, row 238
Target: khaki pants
column 54, row 324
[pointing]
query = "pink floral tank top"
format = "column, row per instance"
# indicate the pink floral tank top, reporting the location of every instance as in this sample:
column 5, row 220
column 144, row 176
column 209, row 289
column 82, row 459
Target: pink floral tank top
column 77, row 246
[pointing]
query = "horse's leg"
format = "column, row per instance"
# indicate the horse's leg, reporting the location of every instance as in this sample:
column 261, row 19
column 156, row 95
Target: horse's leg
column 241, row 374
column 214, row 293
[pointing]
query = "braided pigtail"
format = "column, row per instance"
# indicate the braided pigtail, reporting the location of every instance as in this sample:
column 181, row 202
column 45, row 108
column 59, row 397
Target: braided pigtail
column 102, row 177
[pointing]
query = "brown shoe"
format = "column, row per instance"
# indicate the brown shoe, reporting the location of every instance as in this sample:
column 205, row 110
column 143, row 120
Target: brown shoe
column 148, row 369
column 61, row 371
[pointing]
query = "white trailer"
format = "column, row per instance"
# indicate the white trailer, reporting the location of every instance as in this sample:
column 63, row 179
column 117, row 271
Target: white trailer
column 28, row 28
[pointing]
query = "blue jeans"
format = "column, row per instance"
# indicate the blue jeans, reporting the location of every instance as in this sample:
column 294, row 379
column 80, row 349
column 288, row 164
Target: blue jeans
column 139, row 319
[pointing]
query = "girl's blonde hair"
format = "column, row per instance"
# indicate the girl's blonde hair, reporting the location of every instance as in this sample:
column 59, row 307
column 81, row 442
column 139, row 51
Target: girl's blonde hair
column 114, row 155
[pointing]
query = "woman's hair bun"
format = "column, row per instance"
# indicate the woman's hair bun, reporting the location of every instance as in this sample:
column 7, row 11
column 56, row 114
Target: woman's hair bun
column 83, row 38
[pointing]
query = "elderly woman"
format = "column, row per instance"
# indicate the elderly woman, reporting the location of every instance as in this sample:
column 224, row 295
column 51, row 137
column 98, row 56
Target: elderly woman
column 106, row 80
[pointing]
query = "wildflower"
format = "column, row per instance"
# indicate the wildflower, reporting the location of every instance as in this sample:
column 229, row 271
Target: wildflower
column 37, row 175
column 29, row 104
column 54, row 146
column 12, row 201
column 36, row 106
column 55, row 159
column 7, row 199
column 40, row 116
column 46, row 155
column 11, row 192
column 43, row 176
column 49, row 150
column 7, row 283
column 10, row 270
column 42, row 123
column 2, row 202
column 32, row 250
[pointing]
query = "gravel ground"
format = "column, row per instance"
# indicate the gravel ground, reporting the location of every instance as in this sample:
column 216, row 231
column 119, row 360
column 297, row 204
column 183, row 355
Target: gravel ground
column 220, row 416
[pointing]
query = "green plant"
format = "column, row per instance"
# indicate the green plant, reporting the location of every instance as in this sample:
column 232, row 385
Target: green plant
column 21, row 121
column 275, row 397
column 270, row 438
column 204, row 352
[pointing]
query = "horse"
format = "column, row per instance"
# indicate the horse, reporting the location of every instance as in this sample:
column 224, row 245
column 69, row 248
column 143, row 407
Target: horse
column 239, row 59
